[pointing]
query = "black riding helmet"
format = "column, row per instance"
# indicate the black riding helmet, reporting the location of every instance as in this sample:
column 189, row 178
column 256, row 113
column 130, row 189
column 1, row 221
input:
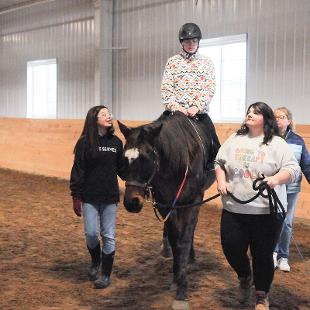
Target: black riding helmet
column 189, row 31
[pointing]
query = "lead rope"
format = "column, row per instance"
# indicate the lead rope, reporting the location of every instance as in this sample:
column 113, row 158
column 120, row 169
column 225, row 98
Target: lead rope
column 276, row 207
column 175, row 199
column 307, row 269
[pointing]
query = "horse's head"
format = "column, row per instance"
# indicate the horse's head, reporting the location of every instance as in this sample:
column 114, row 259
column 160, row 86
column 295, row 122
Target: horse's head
column 143, row 162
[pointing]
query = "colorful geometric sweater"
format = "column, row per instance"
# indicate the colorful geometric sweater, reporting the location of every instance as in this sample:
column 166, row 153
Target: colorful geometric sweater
column 188, row 82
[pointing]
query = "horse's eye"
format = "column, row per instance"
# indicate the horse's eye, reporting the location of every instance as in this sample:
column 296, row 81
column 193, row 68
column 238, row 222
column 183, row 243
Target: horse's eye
column 143, row 158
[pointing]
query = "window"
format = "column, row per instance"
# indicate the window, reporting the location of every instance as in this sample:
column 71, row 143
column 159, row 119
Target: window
column 42, row 88
column 229, row 57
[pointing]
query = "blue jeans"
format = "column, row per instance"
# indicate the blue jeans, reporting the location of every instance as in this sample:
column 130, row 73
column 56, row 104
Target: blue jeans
column 103, row 216
column 283, row 245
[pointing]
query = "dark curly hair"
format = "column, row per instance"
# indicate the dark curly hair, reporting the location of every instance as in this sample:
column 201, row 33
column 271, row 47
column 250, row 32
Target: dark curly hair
column 270, row 124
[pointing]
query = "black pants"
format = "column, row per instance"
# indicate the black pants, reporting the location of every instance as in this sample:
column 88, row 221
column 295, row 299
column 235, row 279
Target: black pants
column 209, row 129
column 257, row 232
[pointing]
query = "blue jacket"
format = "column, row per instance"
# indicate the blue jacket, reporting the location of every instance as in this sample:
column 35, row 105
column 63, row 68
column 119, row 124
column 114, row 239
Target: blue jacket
column 302, row 155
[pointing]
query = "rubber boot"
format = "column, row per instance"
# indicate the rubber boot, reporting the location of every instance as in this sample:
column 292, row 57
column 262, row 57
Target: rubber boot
column 103, row 280
column 95, row 262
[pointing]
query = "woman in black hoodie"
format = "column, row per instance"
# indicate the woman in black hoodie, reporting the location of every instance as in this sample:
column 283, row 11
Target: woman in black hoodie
column 94, row 188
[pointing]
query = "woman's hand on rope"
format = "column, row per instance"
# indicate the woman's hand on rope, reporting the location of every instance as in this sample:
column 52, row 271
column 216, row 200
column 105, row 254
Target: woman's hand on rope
column 222, row 188
column 272, row 181
column 282, row 177
column 222, row 185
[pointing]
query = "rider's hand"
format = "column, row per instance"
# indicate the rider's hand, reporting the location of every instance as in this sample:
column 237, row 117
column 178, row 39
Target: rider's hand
column 183, row 110
column 192, row 111
column 77, row 205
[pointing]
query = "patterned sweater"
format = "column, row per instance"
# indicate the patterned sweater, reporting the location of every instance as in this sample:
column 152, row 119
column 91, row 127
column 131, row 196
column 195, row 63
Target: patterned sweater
column 188, row 82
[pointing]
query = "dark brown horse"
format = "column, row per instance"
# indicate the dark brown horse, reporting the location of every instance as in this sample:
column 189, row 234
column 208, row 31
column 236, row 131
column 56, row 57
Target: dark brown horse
column 163, row 154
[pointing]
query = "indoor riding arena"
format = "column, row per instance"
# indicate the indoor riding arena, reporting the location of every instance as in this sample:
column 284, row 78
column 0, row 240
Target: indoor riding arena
column 58, row 59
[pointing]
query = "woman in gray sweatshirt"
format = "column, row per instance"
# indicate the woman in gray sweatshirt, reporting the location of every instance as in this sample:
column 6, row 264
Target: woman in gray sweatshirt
column 255, row 150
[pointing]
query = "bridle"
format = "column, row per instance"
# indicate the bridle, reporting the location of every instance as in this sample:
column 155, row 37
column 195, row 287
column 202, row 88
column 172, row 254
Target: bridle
column 146, row 186
column 148, row 189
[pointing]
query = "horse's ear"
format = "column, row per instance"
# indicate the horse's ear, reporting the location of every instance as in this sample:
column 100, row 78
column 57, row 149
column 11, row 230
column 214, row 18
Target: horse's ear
column 156, row 129
column 126, row 131
column 150, row 132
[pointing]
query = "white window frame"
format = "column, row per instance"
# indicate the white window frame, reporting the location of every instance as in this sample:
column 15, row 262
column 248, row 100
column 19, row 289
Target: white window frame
column 219, row 115
column 47, row 107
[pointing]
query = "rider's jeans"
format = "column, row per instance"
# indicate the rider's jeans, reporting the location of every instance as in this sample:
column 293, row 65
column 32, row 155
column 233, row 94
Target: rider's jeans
column 283, row 245
column 101, row 216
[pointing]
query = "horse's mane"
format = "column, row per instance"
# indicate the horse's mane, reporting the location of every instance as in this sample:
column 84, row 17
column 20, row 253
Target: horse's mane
column 178, row 142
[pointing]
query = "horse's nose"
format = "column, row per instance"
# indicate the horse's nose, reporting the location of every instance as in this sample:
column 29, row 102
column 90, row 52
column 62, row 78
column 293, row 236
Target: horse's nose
column 133, row 205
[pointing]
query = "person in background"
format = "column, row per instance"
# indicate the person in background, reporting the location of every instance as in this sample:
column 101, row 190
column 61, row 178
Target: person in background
column 296, row 143
column 94, row 189
column 254, row 151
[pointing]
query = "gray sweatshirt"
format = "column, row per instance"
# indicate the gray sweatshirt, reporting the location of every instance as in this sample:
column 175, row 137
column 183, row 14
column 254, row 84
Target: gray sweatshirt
column 245, row 158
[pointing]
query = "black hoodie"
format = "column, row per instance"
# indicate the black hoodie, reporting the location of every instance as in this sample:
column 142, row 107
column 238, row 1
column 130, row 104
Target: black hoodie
column 94, row 174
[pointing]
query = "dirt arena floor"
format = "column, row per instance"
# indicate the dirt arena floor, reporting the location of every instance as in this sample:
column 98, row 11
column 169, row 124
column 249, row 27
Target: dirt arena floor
column 44, row 259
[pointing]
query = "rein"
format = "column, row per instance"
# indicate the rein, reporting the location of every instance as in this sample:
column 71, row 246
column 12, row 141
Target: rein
column 275, row 205
column 174, row 201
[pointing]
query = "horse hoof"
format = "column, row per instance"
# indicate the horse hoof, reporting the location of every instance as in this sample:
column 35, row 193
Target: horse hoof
column 165, row 251
column 180, row 305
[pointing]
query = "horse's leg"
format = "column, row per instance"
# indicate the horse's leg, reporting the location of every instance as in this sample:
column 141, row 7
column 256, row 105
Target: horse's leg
column 165, row 247
column 187, row 222
column 192, row 255
column 172, row 234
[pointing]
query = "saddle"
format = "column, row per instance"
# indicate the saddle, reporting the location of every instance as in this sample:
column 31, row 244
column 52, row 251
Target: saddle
column 203, row 126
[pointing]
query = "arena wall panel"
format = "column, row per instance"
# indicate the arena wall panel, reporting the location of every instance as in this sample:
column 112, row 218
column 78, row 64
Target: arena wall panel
column 46, row 147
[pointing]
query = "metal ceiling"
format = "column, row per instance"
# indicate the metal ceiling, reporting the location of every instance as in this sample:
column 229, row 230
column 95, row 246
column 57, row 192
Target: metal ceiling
column 4, row 4
column 7, row 6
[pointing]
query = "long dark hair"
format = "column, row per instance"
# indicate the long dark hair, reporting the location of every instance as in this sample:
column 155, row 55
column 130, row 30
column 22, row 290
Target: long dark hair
column 270, row 124
column 90, row 129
